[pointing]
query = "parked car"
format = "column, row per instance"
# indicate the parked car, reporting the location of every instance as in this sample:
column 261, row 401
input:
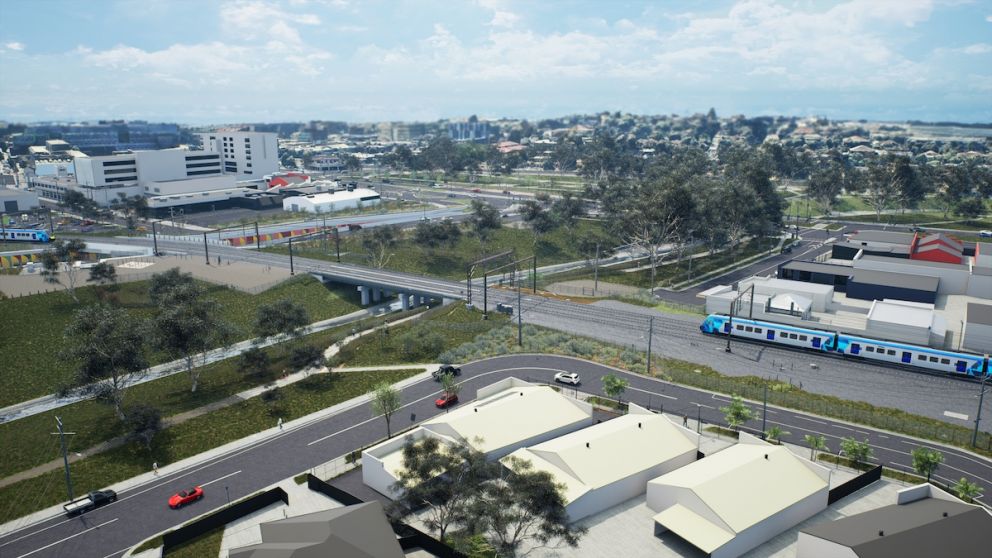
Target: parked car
column 504, row 308
column 567, row 378
column 184, row 497
column 985, row 234
column 446, row 369
column 917, row 229
column 451, row 195
column 477, row 190
column 446, row 400
column 91, row 501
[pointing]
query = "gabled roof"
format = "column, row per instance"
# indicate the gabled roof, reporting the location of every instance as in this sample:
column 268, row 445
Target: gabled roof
column 616, row 449
column 748, row 482
column 924, row 528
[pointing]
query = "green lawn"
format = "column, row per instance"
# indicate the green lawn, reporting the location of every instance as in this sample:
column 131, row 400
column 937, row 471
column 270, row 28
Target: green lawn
column 192, row 437
column 31, row 331
column 666, row 274
column 556, row 247
column 29, row 443
column 421, row 340
column 206, row 545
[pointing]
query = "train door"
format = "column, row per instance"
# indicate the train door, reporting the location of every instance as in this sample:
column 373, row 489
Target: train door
column 770, row 335
column 855, row 349
column 907, row 357
column 816, row 342
column 726, row 327
column 961, row 366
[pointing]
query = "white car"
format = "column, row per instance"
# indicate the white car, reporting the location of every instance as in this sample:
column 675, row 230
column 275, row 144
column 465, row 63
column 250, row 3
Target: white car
column 567, row 378
column 985, row 234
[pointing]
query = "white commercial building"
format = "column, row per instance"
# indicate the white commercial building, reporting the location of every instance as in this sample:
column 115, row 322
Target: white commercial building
column 913, row 322
column 736, row 499
column 507, row 415
column 330, row 202
column 611, row 462
column 249, row 155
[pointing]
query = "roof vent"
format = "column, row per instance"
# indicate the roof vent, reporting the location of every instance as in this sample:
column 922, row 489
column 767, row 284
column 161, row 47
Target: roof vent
column 587, row 444
column 476, row 409
column 881, row 533
column 945, row 514
column 766, row 456
column 638, row 425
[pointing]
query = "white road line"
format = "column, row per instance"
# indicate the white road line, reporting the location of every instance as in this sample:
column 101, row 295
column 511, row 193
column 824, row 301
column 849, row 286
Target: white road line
column 118, row 553
column 67, row 538
column 220, row 479
column 954, row 415
column 653, row 393
column 36, row 532
column 814, row 420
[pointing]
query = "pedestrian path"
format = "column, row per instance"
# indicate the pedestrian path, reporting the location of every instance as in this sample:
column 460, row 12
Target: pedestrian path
column 53, row 401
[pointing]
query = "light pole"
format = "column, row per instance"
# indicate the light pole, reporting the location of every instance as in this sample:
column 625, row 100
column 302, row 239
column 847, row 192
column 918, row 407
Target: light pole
column 292, row 271
column 65, row 455
column 228, row 491
column 154, row 239
column 650, row 335
column 981, row 400
column 206, row 250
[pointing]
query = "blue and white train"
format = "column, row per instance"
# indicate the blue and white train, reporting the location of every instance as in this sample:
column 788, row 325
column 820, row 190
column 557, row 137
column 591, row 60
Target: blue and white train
column 25, row 235
column 934, row 360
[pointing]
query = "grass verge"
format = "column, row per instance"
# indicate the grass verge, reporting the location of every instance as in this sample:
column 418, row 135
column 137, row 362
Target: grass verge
column 542, row 340
column 207, row 544
column 31, row 331
column 192, row 437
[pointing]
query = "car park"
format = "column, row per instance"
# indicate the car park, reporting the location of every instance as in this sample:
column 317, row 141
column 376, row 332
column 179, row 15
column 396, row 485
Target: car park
column 184, row 497
column 447, row 399
column 567, row 378
column 446, row 369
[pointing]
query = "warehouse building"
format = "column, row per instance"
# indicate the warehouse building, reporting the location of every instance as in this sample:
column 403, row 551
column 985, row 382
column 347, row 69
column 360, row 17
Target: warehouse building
column 330, row 202
column 611, row 462
column 867, row 284
column 978, row 328
column 924, row 523
column 13, row 200
column 835, row 275
column 506, row 416
column 736, row 499
column 913, row 322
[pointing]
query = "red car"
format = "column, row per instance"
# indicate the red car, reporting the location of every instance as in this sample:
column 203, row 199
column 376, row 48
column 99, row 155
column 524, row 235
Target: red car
column 184, row 497
column 446, row 400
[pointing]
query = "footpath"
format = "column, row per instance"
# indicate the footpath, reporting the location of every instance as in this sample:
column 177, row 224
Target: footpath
column 53, row 401
column 228, row 401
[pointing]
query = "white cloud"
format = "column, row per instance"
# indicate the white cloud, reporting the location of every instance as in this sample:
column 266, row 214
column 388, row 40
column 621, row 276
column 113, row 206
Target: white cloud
column 13, row 45
column 978, row 48
column 502, row 17
column 254, row 18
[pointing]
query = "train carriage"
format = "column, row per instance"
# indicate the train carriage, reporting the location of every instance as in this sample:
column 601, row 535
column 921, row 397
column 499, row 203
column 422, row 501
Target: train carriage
column 25, row 235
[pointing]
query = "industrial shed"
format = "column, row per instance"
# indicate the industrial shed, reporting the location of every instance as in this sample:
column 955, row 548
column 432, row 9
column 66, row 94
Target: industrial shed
column 926, row 522
column 736, row 499
column 331, row 201
column 611, row 462
column 506, row 416
column 906, row 321
column 868, row 284
column 978, row 328
column 815, row 272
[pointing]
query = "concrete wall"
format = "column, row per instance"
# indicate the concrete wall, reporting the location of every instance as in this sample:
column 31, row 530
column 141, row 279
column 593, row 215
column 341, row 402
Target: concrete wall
column 765, row 530
column 952, row 280
column 978, row 337
column 870, row 291
column 188, row 185
column 980, row 285
column 815, row 547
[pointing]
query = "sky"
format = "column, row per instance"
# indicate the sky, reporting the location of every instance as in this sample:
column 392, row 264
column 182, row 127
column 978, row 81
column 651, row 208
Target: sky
column 232, row 61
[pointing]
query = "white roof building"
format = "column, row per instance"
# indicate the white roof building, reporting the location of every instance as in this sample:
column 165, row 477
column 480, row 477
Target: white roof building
column 329, row 202
column 734, row 500
column 507, row 415
column 611, row 462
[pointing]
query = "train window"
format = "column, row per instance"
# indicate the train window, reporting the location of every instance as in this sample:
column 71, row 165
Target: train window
column 933, row 359
column 782, row 334
column 757, row 330
column 802, row 337
column 749, row 329
column 740, row 328
column 891, row 352
column 945, row 361
column 921, row 357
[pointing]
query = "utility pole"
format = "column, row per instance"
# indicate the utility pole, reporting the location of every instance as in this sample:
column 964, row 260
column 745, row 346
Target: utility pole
column 258, row 239
column 65, row 455
column 485, row 295
column 292, row 271
column 51, row 226
column 981, row 400
column 595, row 273
column 699, row 421
column 534, row 275
column 650, row 335
column 154, row 239
column 337, row 242
column 520, row 327
column 764, row 411
column 206, row 250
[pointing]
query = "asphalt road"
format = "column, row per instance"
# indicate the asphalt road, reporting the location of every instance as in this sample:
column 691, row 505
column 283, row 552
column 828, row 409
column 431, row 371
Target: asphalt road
column 675, row 335
column 141, row 512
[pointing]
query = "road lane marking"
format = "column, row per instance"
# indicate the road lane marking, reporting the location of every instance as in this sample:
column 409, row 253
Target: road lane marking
column 220, row 479
column 69, row 537
column 954, row 415
column 119, row 552
column 653, row 393
column 35, row 532
column 814, row 420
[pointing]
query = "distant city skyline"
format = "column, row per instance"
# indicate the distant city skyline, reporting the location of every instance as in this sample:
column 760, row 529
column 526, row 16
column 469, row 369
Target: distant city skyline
column 214, row 62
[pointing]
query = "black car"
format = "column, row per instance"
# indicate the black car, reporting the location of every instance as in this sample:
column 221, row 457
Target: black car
column 446, row 369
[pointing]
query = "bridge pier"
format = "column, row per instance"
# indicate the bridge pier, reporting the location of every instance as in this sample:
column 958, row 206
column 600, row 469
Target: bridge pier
column 365, row 294
column 404, row 301
column 376, row 294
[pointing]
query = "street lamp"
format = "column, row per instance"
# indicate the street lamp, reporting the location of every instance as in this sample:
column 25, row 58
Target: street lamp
column 228, row 491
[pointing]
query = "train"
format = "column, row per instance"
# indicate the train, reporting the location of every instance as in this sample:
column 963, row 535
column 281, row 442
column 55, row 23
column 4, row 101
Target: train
column 26, row 235
column 852, row 346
